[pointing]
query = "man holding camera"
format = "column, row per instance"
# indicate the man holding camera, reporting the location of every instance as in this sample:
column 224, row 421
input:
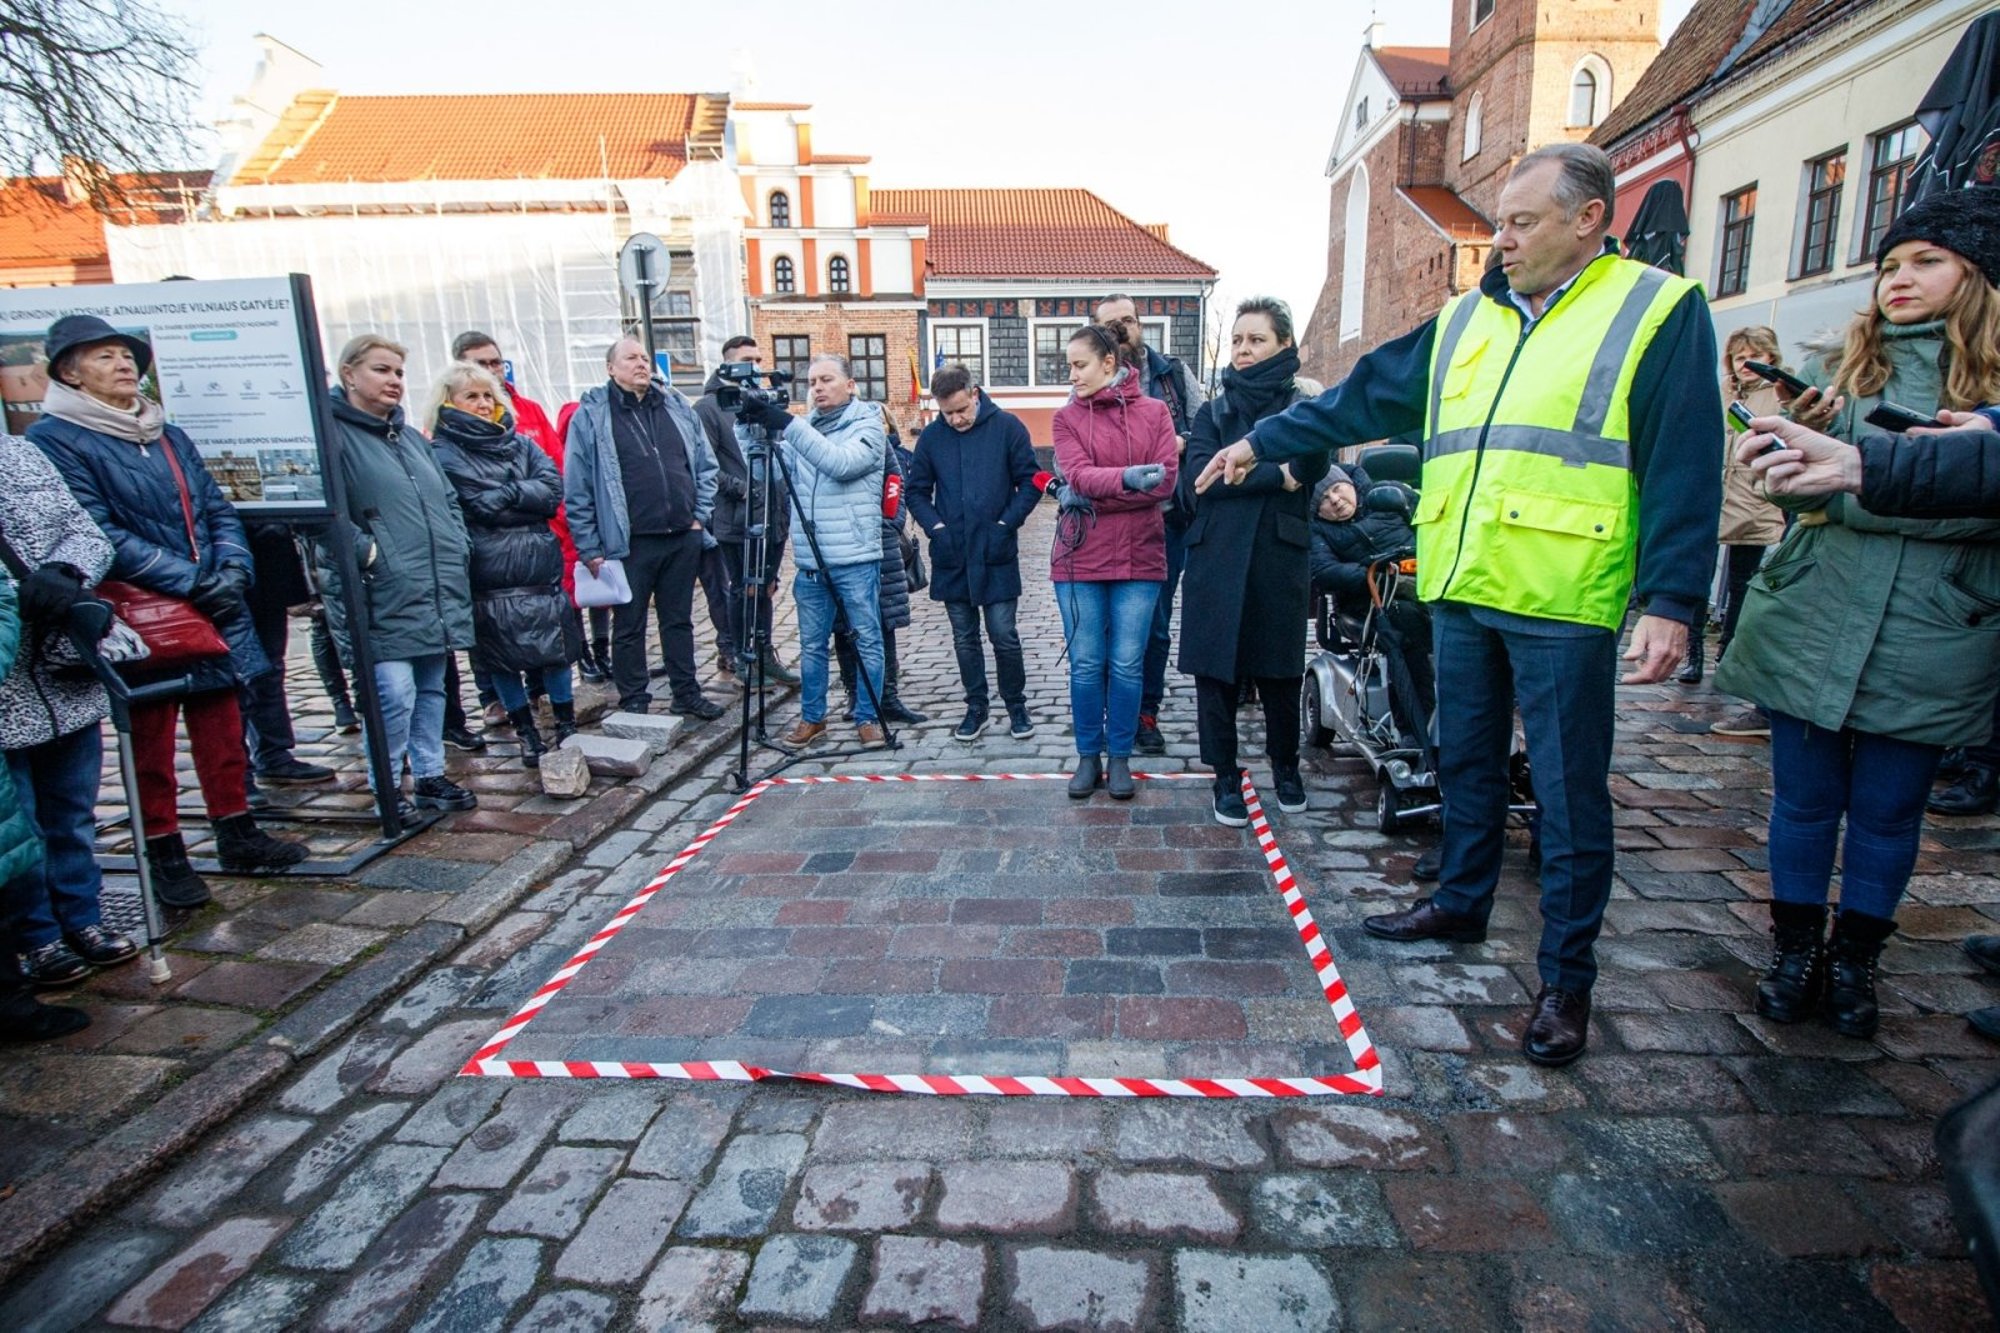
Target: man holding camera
column 836, row 459
column 639, row 486
column 740, row 505
column 972, row 486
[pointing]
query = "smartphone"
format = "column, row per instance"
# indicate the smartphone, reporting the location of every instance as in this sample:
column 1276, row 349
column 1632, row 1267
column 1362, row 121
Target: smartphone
column 1784, row 378
column 1891, row 417
column 1742, row 417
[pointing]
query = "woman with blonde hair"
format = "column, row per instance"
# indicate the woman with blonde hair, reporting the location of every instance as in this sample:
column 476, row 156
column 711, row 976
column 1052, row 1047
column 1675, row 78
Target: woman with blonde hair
column 1875, row 642
column 509, row 492
column 413, row 553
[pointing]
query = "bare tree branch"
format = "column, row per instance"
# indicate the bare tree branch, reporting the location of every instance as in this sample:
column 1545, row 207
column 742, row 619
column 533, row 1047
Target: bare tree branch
column 89, row 88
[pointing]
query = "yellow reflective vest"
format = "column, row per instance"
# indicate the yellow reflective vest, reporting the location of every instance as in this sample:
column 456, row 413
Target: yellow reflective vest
column 1528, row 502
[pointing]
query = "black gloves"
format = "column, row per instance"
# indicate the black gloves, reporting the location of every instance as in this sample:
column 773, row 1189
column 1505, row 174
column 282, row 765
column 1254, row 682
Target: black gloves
column 48, row 593
column 220, row 595
column 771, row 416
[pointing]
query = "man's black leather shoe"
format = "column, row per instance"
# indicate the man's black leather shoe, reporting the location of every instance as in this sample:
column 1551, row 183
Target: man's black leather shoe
column 1560, row 1027
column 1977, row 792
column 1425, row 921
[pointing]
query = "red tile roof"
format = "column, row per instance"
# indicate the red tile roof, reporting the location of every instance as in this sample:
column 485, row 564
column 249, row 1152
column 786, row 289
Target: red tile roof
column 324, row 137
column 1036, row 234
column 40, row 227
column 1416, row 71
column 1449, row 213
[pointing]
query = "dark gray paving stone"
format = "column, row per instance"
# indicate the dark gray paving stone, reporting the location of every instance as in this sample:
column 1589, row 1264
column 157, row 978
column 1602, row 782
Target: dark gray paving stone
column 799, row 1278
column 750, row 1182
column 495, row 1278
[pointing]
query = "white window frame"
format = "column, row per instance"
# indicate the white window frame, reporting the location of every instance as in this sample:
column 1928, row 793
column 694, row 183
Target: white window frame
column 1600, row 94
column 1474, row 19
column 1475, row 127
column 1354, row 255
column 1061, row 326
column 985, row 344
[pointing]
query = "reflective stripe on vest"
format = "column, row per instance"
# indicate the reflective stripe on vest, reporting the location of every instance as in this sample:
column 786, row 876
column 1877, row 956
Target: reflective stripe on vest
column 1528, row 501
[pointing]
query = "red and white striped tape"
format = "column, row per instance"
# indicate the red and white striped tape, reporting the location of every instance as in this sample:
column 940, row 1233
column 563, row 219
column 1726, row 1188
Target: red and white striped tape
column 1367, row 1078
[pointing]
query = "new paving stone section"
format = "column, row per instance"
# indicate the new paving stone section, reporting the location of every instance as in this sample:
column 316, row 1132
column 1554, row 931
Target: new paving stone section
column 1699, row 1169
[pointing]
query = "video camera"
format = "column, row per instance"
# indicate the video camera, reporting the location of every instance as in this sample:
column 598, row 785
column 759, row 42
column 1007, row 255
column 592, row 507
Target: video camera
column 739, row 387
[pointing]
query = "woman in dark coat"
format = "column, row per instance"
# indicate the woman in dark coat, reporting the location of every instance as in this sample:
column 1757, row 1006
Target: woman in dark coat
column 509, row 491
column 1245, row 592
column 410, row 543
column 143, row 483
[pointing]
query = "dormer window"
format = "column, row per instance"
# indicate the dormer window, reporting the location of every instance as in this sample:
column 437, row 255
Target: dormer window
column 1361, row 114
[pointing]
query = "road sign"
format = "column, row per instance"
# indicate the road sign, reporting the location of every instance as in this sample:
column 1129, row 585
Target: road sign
column 643, row 265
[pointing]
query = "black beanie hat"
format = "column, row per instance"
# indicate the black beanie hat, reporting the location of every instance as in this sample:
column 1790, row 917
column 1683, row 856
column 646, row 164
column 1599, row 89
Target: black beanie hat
column 1965, row 222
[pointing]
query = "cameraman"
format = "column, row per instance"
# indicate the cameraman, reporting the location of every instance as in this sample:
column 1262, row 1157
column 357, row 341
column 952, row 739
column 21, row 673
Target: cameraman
column 836, row 457
column 740, row 504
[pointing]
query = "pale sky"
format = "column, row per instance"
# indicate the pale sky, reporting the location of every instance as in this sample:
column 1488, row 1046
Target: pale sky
column 1213, row 118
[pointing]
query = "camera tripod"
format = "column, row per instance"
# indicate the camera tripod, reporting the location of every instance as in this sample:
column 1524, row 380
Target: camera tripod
column 755, row 648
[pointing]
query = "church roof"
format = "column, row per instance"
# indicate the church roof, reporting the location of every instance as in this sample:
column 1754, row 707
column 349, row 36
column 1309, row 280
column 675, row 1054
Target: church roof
column 1416, row 72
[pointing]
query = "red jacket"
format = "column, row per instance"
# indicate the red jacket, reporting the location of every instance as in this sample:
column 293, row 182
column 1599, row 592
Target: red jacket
column 530, row 420
column 1096, row 439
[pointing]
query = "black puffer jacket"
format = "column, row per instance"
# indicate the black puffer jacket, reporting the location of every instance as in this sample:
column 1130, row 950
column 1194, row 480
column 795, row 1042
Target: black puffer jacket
column 1342, row 552
column 508, row 491
column 1955, row 475
column 895, row 598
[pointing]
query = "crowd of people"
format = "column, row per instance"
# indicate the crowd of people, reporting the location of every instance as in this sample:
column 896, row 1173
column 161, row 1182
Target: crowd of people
column 1575, row 491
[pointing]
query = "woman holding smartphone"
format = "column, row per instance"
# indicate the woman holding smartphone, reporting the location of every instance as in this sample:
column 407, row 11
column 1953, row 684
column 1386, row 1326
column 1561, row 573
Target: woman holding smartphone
column 1875, row 642
column 1751, row 524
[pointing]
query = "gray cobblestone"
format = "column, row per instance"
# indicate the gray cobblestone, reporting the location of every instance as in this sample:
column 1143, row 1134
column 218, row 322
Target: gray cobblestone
column 1007, row 1198
column 682, row 1140
column 1225, row 1293
column 554, row 1197
column 329, row 1154
column 200, row 1188
column 1052, row 1288
column 336, row 1233
column 691, row 1288
column 411, row 1252
column 619, row 1115
column 749, row 1183
column 341, row 1071
column 258, row 1304
column 1333, row 1209
column 453, row 1111
column 77, row 1283
column 1359, row 1136
column 798, row 1278
column 494, row 1153
column 1159, row 1203
column 927, row 1282
column 1195, row 1133
column 624, row 1232
column 860, row 1196
column 496, row 1276
column 568, row 1312
column 920, row 1129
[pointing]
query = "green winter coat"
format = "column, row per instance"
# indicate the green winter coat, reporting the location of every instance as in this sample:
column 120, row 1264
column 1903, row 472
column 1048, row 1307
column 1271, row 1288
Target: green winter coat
column 1887, row 625
column 20, row 843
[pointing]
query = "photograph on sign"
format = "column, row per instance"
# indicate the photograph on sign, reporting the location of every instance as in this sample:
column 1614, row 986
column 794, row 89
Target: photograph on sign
column 228, row 368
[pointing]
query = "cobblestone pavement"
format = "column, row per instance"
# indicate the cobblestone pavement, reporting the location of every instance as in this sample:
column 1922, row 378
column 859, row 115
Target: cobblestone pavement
column 1696, row 1169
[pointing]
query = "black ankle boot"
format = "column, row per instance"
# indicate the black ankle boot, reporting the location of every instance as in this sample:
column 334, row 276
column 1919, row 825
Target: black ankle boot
column 533, row 747
column 244, row 849
column 600, row 649
column 1850, row 974
column 895, row 710
column 1795, row 981
column 1691, row 665
column 1977, row 792
column 565, row 721
column 175, row 882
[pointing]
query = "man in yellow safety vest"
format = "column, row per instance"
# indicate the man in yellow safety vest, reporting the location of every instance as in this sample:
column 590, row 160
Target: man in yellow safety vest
column 1572, row 428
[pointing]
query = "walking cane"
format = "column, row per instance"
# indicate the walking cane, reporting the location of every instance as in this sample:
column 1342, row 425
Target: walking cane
column 88, row 621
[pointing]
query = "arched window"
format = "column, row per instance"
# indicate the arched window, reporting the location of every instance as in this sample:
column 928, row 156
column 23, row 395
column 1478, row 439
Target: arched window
column 1353, row 267
column 1475, row 115
column 781, row 209
column 783, row 280
column 1589, row 93
column 836, row 275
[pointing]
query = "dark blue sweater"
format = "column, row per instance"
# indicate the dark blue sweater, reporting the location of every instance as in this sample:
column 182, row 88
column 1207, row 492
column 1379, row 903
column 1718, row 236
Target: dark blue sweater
column 1676, row 425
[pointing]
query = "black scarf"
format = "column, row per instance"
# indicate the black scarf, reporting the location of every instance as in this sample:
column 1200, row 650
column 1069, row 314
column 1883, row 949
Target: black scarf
column 1262, row 389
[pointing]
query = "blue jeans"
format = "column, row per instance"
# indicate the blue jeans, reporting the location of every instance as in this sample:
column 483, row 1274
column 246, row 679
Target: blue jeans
column 1880, row 785
column 514, row 694
column 1006, row 636
column 1563, row 678
column 1160, row 641
column 860, row 589
column 56, row 783
column 412, row 693
column 1106, row 625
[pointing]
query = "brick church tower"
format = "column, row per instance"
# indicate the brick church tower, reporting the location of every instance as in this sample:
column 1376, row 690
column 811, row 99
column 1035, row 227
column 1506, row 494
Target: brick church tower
column 1426, row 139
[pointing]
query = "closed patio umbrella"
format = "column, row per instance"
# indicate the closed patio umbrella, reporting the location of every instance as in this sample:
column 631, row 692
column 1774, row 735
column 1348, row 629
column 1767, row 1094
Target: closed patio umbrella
column 1961, row 113
column 1659, row 231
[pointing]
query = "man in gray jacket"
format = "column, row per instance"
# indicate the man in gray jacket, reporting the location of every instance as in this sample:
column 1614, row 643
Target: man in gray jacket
column 639, row 486
column 836, row 462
